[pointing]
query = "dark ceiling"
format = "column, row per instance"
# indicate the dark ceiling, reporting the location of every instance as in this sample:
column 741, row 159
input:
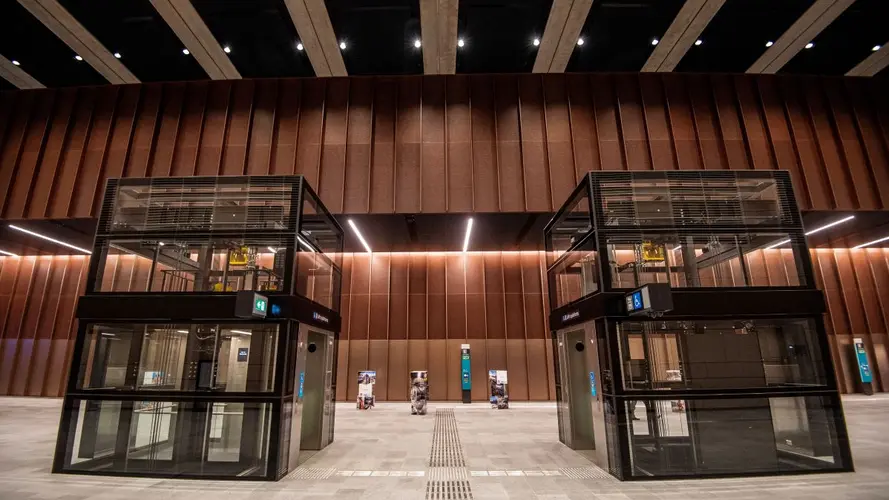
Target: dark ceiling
column 380, row 34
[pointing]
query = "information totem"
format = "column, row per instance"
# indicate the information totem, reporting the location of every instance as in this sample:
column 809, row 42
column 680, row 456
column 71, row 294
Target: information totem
column 366, row 382
column 499, row 389
column 419, row 392
column 465, row 373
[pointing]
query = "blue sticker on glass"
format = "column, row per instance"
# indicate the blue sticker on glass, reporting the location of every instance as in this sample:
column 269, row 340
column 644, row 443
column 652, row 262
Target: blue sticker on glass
column 593, row 383
column 302, row 378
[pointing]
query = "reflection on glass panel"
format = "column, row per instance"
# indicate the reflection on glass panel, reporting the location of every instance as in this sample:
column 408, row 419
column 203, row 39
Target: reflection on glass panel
column 702, row 260
column 172, row 438
column 571, row 226
column 317, row 279
column 208, row 265
column 673, row 355
column 319, row 254
column 718, row 436
column 180, row 357
column 576, row 275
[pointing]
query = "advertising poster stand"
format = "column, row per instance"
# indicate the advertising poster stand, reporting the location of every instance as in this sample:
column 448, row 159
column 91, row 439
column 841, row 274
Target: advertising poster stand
column 499, row 389
column 366, row 382
column 419, row 392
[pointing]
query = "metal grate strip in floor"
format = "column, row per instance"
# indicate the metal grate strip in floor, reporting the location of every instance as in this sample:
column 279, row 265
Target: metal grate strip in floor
column 448, row 483
column 311, row 473
column 446, row 448
column 586, row 473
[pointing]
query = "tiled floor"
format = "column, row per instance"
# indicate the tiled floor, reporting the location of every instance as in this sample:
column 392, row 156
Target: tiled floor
column 383, row 454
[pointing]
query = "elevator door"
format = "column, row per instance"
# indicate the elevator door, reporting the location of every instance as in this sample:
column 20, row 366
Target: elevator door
column 317, row 398
column 577, row 412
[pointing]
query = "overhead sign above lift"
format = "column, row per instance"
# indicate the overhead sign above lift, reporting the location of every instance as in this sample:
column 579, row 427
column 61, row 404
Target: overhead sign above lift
column 653, row 299
column 251, row 305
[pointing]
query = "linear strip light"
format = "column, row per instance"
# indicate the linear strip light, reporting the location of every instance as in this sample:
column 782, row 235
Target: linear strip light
column 360, row 238
column 305, row 244
column 47, row 238
column 4, row 252
column 817, row 229
column 871, row 242
column 834, row 223
column 468, row 232
column 241, row 332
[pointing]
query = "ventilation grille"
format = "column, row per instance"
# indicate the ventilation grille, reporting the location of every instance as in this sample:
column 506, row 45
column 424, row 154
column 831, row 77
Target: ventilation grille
column 448, row 483
column 199, row 204
column 446, row 449
column 695, row 199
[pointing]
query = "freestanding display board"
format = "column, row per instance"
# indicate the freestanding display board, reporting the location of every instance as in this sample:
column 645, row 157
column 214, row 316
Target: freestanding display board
column 419, row 392
column 499, row 392
column 366, row 382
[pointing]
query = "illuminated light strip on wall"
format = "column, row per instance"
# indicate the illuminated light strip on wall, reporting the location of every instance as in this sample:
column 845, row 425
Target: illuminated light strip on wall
column 468, row 233
column 241, row 332
column 47, row 238
column 871, row 242
column 4, row 252
column 817, row 229
column 360, row 238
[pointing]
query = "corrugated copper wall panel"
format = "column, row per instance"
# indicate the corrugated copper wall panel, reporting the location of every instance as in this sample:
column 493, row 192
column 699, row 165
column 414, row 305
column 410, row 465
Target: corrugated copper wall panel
column 446, row 143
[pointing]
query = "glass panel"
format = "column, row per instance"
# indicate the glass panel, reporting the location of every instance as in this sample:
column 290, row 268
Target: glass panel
column 571, row 226
column 673, row 355
column 95, row 426
column 169, row 438
column 319, row 255
column 183, row 357
column 200, row 204
column 196, row 265
column 703, row 436
column 575, row 276
column 689, row 199
column 702, row 260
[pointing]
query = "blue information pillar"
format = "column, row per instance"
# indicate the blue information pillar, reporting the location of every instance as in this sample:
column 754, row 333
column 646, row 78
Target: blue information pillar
column 465, row 373
column 864, row 372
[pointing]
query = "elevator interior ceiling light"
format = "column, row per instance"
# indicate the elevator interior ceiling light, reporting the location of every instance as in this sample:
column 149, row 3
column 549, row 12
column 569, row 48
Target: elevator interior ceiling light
column 468, row 233
column 272, row 249
column 770, row 43
column 360, row 237
column 872, row 242
column 10, row 254
column 834, row 223
column 241, row 332
column 181, row 331
column 47, row 238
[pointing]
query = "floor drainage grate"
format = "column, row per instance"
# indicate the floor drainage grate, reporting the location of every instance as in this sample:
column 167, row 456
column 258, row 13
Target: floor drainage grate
column 446, row 449
column 585, row 473
column 448, row 483
column 311, row 473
